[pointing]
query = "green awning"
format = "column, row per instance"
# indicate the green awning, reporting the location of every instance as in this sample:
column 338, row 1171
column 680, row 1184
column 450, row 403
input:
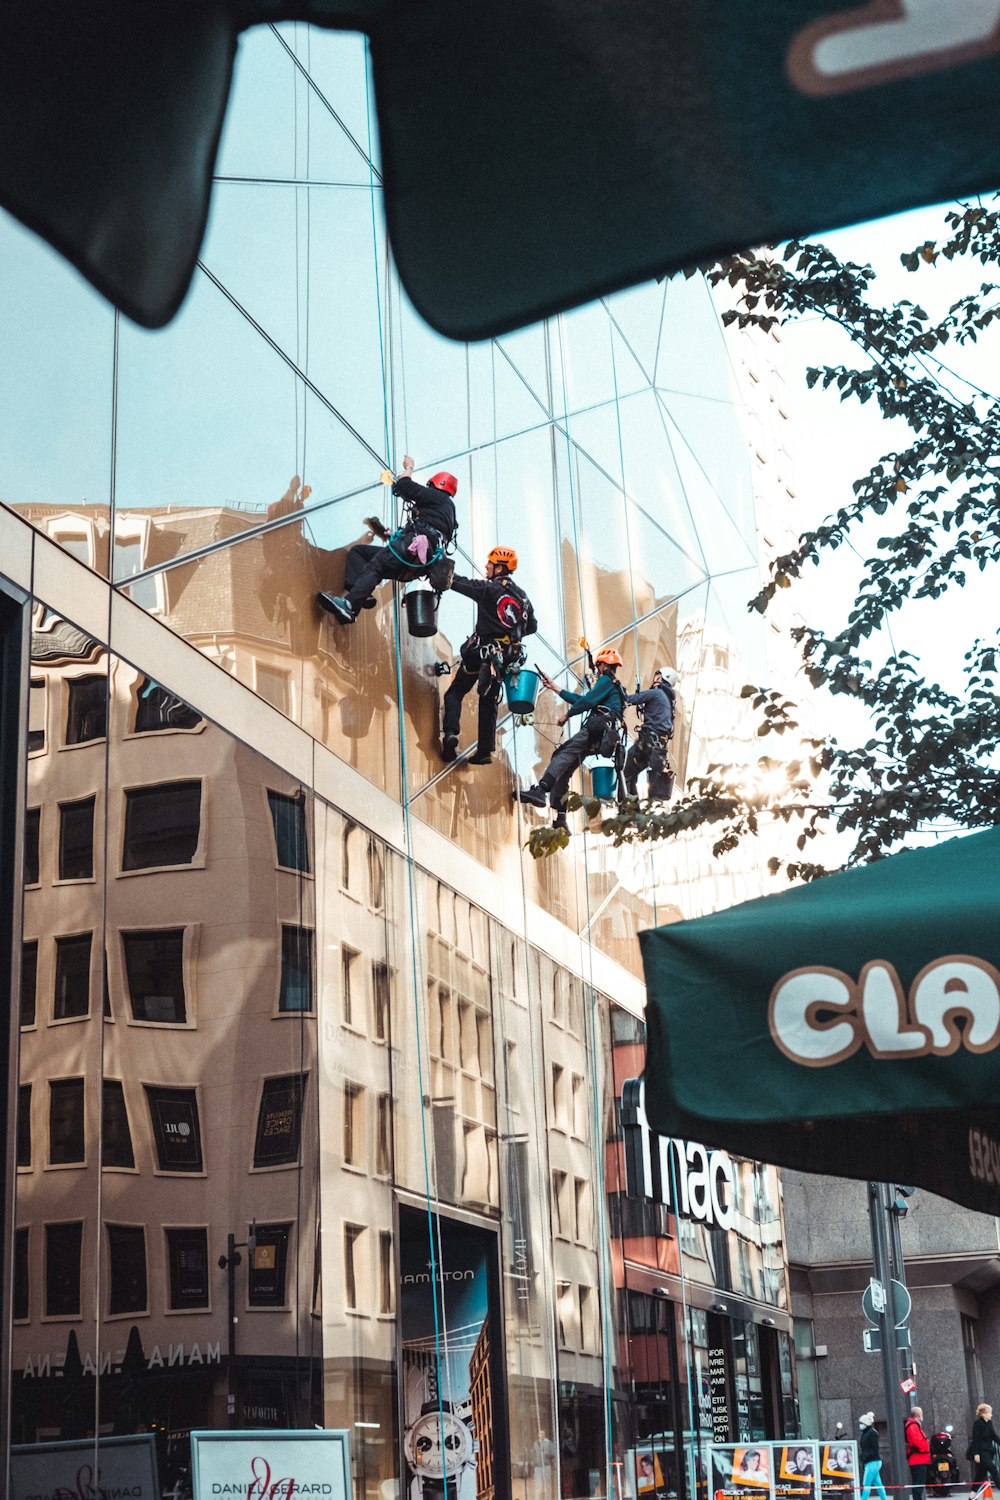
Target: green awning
column 849, row 1027
column 536, row 153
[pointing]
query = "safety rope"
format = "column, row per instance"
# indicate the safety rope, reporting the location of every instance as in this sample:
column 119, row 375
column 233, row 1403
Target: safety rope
column 625, row 499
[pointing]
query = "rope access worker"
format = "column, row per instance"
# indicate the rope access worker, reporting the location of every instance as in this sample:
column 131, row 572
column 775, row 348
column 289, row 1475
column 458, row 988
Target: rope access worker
column 504, row 615
column 416, row 550
column 603, row 705
column 656, row 704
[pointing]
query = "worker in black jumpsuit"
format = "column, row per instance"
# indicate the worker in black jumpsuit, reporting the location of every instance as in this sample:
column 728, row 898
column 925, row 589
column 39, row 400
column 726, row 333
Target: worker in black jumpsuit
column 649, row 752
column 503, row 617
column 415, row 550
column 603, row 706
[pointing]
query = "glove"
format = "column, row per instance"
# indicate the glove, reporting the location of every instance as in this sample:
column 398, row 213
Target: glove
column 376, row 528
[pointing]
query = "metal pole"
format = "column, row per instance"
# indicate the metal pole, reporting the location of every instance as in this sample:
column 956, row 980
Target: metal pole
column 905, row 1355
column 887, row 1333
column 231, row 1262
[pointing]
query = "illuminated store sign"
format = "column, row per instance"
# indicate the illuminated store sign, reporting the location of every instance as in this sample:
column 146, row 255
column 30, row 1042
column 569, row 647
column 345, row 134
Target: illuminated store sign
column 693, row 1182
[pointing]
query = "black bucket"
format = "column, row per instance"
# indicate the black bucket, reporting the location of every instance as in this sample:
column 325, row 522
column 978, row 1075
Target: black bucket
column 422, row 612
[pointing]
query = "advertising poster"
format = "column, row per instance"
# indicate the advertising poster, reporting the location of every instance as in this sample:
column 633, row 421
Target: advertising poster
column 741, row 1469
column 838, row 1474
column 652, row 1473
column 450, row 1344
column 279, row 1465
column 795, row 1470
column 120, row 1466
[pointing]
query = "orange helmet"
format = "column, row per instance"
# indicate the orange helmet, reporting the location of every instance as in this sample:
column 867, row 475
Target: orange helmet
column 444, row 481
column 506, row 557
column 607, row 657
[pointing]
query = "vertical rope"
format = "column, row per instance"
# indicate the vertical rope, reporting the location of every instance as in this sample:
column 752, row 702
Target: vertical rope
column 625, row 500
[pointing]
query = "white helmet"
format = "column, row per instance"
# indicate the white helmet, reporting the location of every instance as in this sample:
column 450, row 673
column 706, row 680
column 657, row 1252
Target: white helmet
column 669, row 674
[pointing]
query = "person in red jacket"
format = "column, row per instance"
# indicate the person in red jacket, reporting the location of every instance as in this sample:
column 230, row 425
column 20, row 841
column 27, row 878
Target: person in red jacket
column 918, row 1452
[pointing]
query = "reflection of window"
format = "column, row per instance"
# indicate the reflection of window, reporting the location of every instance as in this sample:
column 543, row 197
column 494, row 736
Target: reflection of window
column 127, row 1257
column 588, row 1334
column 63, row 1243
column 76, row 839
column 174, row 1114
column 296, row 969
column 383, row 1135
column 162, row 824
column 154, row 963
column 266, row 1274
column 354, row 1124
column 376, row 876
column 129, row 549
column 32, row 823
column 353, row 1269
column 116, row 1139
column 24, row 1125
column 36, row 715
column 87, row 717
column 581, row 1210
column 565, row 1313
column 155, row 708
column 273, row 684
column 348, row 958
column 187, row 1252
column 579, row 1107
column 21, row 1288
column 559, row 1206
column 385, row 1277
column 288, row 814
column 558, row 1097
column 72, row 997
column 29, row 982
column 380, row 1000
column 279, row 1122
column 66, row 1121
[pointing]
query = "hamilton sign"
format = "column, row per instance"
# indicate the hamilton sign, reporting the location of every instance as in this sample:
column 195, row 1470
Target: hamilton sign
column 693, row 1182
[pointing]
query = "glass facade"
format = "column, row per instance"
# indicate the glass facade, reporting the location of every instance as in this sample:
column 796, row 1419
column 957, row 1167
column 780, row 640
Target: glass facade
column 325, row 1090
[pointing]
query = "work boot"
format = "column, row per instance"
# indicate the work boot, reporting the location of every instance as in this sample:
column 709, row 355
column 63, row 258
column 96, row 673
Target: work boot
column 560, row 821
column 449, row 747
column 534, row 796
column 368, row 603
column 481, row 758
column 335, row 604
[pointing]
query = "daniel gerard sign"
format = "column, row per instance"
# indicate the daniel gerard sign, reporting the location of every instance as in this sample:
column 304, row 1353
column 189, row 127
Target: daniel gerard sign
column 270, row 1465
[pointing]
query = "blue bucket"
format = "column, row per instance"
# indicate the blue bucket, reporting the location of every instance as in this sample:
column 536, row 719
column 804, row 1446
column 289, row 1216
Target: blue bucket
column 522, row 689
column 603, row 780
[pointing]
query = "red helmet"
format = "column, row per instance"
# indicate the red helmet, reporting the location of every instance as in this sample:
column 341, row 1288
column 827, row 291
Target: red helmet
column 443, row 481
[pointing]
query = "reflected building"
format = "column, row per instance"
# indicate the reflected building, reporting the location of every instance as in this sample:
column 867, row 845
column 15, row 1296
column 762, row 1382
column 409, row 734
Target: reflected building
column 325, row 1104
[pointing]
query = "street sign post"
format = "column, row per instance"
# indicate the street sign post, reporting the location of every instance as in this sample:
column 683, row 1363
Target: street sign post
column 896, row 1305
column 872, row 1339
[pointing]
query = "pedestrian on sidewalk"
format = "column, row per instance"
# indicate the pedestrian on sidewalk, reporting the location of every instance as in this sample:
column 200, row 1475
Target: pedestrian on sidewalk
column 870, row 1455
column 918, row 1452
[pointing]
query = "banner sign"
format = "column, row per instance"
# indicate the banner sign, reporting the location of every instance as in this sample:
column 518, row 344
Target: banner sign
column 865, row 1010
column 112, row 1466
column 278, row 1465
column 838, row 1472
column 783, row 1471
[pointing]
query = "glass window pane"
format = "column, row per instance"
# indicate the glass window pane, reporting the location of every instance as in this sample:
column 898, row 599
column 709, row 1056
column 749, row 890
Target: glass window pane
column 116, row 1139
column 76, row 840
column 22, row 1303
column 296, row 969
column 32, row 823
column 66, row 1136
column 24, row 1125
column 155, row 709
column 127, row 1258
column 36, row 715
column 268, row 1261
column 279, row 1121
column 63, row 1243
column 162, row 824
column 87, row 714
column 29, row 982
column 176, row 1129
column 288, row 814
column 72, row 994
column 154, row 964
column 187, row 1251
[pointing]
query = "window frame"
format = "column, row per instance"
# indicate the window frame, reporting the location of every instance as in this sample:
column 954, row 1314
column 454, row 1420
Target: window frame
column 64, row 807
column 295, row 1083
column 112, row 1313
column 299, row 800
column 55, row 1086
column 116, row 1166
column 62, row 1317
column 296, row 1010
column 197, row 860
column 187, row 1020
column 191, row 1231
column 167, row 1093
column 62, row 940
column 71, row 683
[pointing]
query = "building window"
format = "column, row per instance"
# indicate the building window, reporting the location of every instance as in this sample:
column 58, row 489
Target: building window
column 32, row 825
column 383, row 1136
column 24, row 1125
column 376, row 876
column 87, row 716
column 29, row 981
column 558, row 1097
column 66, row 1136
column 380, row 1001
column 116, row 1138
column 72, row 997
column 63, row 1244
column 581, row 1210
column 36, row 715
column 296, row 969
column 174, row 1113
column 187, row 1254
column 288, row 814
column 129, row 560
column 279, row 1122
column 385, row 1276
column 155, row 709
column 154, row 964
column 162, row 825
column 127, row 1259
column 22, row 1304
column 353, row 1270
column 560, row 1211
column 354, row 1124
column 348, row 959
column 76, row 839
column 579, row 1107
column 268, row 1264
column 274, row 685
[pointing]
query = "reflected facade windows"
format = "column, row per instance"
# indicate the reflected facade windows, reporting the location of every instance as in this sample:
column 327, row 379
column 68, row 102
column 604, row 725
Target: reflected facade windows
column 32, row 833
column 87, row 709
column 22, row 1281
column 76, row 839
column 162, row 825
column 156, row 709
column 67, row 1142
column 269, row 1265
column 176, row 1129
column 127, row 1263
column 63, row 1247
column 279, row 1122
column 288, row 815
column 24, row 1125
column 154, row 966
column 296, row 969
column 36, row 716
column 187, row 1261
column 29, row 982
column 116, row 1137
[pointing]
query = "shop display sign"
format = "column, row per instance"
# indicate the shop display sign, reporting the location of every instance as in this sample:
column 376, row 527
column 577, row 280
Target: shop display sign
column 119, row 1466
column 784, row 1471
column 279, row 1465
column 693, row 1182
column 718, row 1394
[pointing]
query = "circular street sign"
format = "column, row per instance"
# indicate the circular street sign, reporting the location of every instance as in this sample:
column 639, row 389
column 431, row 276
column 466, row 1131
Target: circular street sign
column 899, row 1305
